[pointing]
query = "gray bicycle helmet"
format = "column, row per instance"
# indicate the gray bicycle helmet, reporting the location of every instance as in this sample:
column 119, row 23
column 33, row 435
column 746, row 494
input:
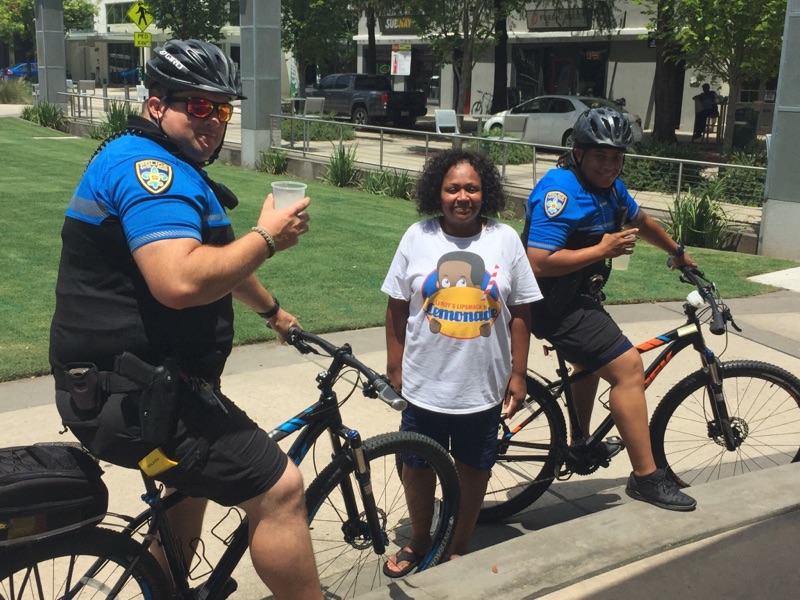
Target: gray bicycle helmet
column 193, row 65
column 602, row 127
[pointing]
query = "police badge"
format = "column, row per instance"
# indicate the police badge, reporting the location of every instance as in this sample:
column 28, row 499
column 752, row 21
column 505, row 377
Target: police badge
column 554, row 203
column 154, row 175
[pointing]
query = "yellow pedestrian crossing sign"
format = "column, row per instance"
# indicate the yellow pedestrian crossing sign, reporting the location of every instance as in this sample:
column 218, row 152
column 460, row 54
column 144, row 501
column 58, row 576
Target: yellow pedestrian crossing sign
column 142, row 39
column 140, row 15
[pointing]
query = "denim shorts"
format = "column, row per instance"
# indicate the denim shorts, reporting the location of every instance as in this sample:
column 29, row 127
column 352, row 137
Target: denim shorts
column 471, row 438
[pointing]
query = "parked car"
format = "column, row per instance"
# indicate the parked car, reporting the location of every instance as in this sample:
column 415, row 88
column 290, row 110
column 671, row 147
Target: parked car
column 367, row 99
column 550, row 118
column 21, row 70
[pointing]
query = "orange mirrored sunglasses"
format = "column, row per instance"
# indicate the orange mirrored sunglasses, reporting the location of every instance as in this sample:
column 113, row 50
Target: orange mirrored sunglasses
column 202, row 108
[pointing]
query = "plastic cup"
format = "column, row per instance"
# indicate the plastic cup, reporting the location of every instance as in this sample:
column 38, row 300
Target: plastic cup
column 620, row 263
column 287, row 193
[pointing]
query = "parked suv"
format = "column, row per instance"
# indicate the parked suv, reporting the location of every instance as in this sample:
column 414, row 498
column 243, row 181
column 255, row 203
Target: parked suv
column 367, row 99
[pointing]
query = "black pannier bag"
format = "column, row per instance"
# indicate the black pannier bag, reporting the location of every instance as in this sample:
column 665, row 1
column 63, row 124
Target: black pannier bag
column 47, row 489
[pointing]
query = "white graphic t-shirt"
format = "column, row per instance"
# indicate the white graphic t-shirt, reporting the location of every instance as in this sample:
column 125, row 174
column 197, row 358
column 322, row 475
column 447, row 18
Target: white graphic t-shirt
column 457, row 355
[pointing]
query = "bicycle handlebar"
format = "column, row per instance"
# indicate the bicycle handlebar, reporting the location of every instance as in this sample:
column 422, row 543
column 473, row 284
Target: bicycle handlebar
column 376, row 387
column 696, row 277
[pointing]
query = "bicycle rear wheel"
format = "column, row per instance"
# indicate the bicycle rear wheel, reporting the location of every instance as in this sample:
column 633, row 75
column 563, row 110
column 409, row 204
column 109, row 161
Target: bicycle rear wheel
column 89, row 564
column 346, row 561
column 763, row 404
column 528, row 455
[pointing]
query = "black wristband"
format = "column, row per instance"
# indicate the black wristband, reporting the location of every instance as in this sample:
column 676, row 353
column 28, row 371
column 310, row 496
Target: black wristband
column 680, row 251
column 272, row 311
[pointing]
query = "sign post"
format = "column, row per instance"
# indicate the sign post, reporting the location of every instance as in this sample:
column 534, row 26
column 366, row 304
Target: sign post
column 140, row 15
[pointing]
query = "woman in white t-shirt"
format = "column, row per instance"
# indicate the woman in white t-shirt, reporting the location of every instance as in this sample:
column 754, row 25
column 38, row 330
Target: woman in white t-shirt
column 457, row 334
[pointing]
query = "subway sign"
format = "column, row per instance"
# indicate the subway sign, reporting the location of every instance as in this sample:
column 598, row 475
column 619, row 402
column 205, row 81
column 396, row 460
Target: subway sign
column 397, row 24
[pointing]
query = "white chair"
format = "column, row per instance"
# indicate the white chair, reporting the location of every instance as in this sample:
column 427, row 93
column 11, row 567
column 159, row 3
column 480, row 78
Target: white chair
column 514, row 126
column 446, row 119
column 313, row 107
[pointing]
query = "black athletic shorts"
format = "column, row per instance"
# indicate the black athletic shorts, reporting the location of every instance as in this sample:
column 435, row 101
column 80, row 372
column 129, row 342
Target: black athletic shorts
column 225, row 458
column 584, row 333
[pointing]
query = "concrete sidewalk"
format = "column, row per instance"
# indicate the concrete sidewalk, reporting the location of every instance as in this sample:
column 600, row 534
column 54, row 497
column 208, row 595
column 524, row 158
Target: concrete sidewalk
column 581, row 528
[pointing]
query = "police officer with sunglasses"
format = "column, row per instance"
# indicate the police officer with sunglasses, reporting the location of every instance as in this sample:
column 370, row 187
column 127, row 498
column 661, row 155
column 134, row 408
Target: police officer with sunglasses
column 149, row 268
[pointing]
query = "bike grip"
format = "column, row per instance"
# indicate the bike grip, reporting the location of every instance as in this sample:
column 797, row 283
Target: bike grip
column 717, row 322
column 388, row 395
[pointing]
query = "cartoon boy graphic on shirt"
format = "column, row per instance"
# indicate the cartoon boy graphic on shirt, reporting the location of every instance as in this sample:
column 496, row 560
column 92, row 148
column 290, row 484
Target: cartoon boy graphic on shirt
column 456, row 303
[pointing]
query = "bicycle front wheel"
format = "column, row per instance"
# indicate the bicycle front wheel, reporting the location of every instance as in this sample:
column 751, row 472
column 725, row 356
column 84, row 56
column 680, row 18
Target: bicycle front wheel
column 528, row 455
column 97, row 563
column 345, row 557
column 763, row 403
column 477, row 107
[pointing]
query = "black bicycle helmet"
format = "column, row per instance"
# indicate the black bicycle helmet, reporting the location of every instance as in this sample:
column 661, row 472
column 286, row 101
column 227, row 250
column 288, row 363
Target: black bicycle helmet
column 602, row 127
column 193, row 65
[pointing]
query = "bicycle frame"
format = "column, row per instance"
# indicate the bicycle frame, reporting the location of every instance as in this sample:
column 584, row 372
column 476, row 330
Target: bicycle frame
column 323, row 415
column 670, row 344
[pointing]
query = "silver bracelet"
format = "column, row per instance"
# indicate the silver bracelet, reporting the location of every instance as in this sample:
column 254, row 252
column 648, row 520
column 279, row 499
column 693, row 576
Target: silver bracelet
column 268, row 238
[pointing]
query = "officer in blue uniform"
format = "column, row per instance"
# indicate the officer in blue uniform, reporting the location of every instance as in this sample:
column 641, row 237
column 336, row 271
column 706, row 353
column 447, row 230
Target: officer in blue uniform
column 149, row 270
column 574, row 223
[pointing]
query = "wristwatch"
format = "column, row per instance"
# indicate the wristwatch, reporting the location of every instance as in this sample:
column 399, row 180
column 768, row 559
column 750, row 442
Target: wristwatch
column 272, row 311
column 680, row 251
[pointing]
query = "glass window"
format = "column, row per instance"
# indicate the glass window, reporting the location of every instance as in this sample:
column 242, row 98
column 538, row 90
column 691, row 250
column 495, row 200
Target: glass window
column 118, row 13
column 530, row 106
column 749, row 91
column 328, row 82
column 342, row 81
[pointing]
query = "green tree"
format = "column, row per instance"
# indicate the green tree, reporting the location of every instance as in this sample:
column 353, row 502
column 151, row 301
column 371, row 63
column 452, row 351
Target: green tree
column 318, row 32
column 18, row 30
column 730, row 40
column 734, row 40
column 200, row 20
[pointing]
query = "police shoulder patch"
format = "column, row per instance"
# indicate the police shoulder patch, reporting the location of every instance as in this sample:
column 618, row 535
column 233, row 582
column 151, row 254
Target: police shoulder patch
column 554, row 203
column 154, row 175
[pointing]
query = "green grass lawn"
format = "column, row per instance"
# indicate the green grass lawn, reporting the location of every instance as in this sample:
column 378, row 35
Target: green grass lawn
column 330, row 280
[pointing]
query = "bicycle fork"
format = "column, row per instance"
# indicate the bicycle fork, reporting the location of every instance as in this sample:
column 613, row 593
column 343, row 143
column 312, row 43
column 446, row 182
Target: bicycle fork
column 721, row 426
column 353, row 527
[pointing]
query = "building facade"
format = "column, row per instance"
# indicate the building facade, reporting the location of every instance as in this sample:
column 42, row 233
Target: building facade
column 549, row 52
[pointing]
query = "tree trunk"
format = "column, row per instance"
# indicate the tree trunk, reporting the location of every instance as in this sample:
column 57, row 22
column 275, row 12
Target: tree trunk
column 499, row 93
column 668, row 75
column 370, row 53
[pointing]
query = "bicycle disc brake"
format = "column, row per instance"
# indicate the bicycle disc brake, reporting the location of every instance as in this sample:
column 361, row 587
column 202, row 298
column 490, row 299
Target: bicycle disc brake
column 356, row 533
column 739, row 427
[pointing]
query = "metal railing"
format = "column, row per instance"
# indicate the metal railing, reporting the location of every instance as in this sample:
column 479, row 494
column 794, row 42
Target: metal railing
column 648, row 176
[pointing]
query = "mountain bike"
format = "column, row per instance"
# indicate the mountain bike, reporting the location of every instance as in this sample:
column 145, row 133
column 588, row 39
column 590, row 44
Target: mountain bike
column 724, row 419
column 482, row 106
column 356, row 508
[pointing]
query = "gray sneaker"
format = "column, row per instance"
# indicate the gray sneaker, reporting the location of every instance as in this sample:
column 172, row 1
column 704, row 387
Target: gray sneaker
column 659, row 490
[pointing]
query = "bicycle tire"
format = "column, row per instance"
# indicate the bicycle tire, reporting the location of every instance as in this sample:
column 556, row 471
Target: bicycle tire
column 477, row 108
column 41, row 570
column 527, row 462
column 345, row 557
column 763, row 402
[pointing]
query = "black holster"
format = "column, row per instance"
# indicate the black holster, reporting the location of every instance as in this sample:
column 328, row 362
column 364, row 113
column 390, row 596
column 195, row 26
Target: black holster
column 158, row 403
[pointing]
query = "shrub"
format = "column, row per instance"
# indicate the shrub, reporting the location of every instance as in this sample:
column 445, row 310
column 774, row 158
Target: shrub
column 273, row 161
column 515, row 154
column 699, row 220
column 46, row 114
column 742, row 186
column 394, row 183
column 341, row 171
column 15, row 91
column 116, row 119
column 658, row 176
column 318, row 130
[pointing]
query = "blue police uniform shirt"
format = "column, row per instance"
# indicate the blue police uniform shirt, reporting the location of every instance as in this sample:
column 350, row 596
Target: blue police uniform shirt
column 135, row 192
column 563, row 214
column 154, row 194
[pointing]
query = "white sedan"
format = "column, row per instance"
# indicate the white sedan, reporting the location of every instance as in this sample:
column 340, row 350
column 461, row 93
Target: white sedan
column 550, row 118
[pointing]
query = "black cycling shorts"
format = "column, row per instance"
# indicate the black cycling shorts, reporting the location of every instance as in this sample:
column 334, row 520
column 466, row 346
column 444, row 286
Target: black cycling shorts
column 584, row 333
column 225, row 458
